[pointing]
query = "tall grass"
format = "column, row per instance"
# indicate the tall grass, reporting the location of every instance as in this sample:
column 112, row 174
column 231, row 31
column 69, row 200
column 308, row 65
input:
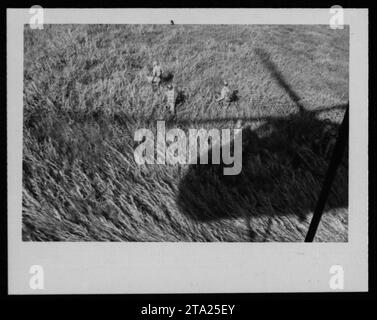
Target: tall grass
column 85, row 94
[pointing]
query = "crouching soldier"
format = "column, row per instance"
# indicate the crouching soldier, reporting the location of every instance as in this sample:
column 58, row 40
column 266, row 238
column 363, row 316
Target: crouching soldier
column 225, row 93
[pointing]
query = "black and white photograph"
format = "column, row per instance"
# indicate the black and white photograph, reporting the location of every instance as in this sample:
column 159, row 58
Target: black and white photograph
column 88, row 89
column 157, row 130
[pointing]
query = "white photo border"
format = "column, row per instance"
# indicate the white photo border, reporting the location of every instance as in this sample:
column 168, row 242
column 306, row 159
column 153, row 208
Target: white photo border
column 124, row 267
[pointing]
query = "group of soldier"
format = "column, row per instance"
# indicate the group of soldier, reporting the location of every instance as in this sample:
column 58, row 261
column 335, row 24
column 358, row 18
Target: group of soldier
column 171, row 91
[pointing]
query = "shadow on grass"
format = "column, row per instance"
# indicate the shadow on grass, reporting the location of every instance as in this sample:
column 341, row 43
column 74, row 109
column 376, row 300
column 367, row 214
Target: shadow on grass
column 167, row 77
column 234, row 96
column 284, row 162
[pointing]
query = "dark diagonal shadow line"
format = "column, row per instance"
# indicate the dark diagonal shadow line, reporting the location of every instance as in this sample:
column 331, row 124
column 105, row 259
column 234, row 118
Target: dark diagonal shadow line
column 265, row 58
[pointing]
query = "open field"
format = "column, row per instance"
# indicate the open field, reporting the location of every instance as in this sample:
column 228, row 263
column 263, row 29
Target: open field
column 85, row 94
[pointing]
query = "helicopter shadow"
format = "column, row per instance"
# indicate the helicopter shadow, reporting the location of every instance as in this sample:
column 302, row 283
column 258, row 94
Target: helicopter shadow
column 284, row 162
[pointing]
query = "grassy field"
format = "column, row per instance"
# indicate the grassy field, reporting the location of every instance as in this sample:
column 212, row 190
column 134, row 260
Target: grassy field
column 85, row 94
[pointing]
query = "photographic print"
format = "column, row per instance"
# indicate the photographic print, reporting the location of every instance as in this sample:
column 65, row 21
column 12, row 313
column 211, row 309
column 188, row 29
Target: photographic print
column 187, row 151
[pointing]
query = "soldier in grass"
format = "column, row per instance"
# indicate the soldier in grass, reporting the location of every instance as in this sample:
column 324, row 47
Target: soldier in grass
column 225, row 94
column 156, row 74
column 171, row 98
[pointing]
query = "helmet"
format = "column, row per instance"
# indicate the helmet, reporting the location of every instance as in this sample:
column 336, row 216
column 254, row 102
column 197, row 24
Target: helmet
column 225, row 83
column 170, row 86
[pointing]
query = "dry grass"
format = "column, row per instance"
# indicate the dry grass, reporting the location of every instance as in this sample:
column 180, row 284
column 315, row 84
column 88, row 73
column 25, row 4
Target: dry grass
column 85, row 94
